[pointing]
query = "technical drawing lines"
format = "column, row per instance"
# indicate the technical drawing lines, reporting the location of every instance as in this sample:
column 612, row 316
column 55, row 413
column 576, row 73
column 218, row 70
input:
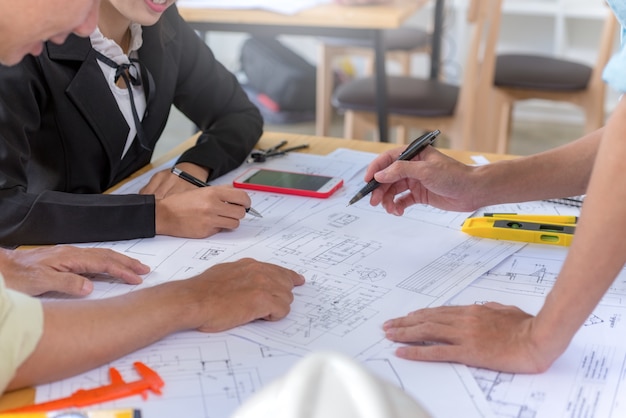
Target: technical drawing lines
column 339, row 220
column 535, row 275
column 365, row 273
column 589, row 387
column 209, row 253
column 495, row 385
column 469, row 257
column 205, row 376
column 325, row 305
column 321, row 248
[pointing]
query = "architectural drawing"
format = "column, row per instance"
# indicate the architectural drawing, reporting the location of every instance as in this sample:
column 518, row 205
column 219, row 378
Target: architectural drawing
column 585, row 381
column 362, row 266
column 208, row 376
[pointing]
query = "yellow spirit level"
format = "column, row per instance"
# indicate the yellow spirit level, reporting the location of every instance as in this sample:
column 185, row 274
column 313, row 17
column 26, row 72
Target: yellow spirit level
column 539, row 229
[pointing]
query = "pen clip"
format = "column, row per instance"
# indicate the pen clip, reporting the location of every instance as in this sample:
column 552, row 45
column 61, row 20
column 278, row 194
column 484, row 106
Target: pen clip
column 418, row 144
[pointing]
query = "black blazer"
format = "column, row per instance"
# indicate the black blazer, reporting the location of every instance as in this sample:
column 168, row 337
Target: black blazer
column 62, row 135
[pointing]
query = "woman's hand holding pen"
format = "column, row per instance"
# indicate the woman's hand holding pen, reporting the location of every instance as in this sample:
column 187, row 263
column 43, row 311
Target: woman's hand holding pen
column 431, row 178
column 186, row 210
column 201, row 212
column 165, row 183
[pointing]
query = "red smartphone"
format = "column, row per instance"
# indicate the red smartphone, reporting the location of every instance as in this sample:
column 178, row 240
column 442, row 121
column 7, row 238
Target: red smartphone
column 288, row 182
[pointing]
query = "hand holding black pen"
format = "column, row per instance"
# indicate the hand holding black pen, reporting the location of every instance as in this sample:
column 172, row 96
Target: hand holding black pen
column 199, row 183
column 409, row 153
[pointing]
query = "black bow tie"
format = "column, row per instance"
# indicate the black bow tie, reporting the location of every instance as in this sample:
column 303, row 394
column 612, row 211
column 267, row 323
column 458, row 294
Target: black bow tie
column 130, row 75
column 128, row 71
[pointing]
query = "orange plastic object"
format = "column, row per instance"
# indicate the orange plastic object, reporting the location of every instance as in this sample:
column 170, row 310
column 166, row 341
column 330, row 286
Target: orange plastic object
column 150, row 381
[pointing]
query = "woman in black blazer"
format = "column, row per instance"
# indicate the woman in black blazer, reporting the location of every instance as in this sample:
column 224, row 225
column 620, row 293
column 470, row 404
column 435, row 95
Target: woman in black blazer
column 68, row 132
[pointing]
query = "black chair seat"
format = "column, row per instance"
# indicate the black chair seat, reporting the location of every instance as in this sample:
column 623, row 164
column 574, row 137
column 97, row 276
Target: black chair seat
column 540, row 73
column 404, row 39
column 406, row 96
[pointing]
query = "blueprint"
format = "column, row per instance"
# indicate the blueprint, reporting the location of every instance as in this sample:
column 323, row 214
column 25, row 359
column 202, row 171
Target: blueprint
column 362, row 266
column 586, row 381
column 210, row 375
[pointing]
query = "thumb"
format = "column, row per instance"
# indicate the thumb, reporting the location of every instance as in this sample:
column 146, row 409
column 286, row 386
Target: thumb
column 395, row 172
column 299, row 280
column 72, row 284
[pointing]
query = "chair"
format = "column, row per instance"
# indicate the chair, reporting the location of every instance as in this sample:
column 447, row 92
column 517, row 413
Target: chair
column 521, row 77
column 429, row 104
column 400, row 45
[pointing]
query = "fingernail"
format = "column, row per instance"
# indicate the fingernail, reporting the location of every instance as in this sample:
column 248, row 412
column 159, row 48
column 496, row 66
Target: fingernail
column 87, row 287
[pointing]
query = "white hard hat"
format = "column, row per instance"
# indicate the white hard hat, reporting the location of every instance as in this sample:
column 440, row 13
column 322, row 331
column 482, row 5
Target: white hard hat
column 330, row 385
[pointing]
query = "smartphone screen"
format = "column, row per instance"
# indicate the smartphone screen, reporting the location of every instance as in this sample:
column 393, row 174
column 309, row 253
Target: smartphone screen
column 289, row 182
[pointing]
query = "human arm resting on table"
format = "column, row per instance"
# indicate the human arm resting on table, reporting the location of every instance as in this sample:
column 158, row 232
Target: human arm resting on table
column 81, row 335
column 504, row 338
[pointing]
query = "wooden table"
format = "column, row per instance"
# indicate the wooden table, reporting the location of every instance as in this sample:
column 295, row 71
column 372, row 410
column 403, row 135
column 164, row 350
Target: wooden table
column 317, row 145
column 367, row 22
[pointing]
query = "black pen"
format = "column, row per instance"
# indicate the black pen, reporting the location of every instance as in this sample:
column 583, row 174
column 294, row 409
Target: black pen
column 199, row 183
column 411, row 151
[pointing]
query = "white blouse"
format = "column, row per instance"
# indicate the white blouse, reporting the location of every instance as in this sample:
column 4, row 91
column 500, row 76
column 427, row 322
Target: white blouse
column 113, row 51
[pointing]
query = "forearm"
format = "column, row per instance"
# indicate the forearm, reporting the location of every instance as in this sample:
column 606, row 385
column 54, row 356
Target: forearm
column 598, row 251
column 81, row 335
column 225, row 145
column 96, row 332
column 56, row 217
column 559, row 172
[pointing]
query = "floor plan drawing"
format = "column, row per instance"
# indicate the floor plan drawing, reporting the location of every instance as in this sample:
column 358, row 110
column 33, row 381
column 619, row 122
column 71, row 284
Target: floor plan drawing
column 209, row 376
column 587, row 380
column 362, row 266
column 432, row 279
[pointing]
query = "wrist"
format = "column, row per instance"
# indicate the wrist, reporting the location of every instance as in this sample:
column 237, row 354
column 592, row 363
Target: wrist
column 6, row 259
column 482, row 177
column 501, row 182
column 551, row 333
column 161, row 216
column 195, row 170
column 177, row 304
column 193, row 306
